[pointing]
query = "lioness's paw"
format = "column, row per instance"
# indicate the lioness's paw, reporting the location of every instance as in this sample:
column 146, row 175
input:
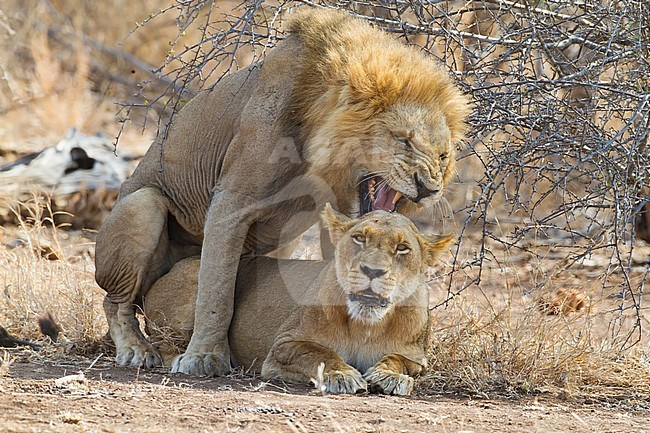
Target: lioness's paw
column 389, row 382
column 137, row 353
column 347, row 381
column 202, row 364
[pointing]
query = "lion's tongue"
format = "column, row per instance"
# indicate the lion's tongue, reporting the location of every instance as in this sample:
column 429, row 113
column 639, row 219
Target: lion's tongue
column 384, row 199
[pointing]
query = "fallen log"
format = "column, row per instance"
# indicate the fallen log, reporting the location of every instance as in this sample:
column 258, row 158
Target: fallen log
column 74, row 182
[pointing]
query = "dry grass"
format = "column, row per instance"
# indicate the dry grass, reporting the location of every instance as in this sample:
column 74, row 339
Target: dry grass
column 517, row 335
column 5, row 363
column 509, row 353
column 46, row 270
column 56, row 74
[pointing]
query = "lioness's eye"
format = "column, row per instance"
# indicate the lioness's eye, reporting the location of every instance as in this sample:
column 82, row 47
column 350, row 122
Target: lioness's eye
column 443, row 156
column 403, row 249
column 359, row 239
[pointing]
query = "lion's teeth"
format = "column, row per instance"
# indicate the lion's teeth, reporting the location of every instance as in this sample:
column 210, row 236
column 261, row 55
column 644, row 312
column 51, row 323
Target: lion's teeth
column 398, row 195
column 371, row 189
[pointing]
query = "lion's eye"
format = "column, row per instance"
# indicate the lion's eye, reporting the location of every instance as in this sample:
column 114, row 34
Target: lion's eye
column 359, row 239
column 403, row 249
column 405, row 141
column 443, row 156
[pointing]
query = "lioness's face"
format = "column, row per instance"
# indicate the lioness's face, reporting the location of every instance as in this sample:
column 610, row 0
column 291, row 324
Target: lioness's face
column 408, row 160
column 380, row 260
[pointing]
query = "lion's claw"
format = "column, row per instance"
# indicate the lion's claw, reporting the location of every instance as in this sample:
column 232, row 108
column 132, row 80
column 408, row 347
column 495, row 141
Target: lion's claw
column 347, row 381
column 388, row 382
column 138, row 354
column 201, row 364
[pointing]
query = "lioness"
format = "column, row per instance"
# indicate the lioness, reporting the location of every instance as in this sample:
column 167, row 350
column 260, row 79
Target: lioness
column 338, row 112
column 364, row 314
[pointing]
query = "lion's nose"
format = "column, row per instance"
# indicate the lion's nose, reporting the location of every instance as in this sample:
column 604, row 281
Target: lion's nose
column 423, row 190
column 372, row 273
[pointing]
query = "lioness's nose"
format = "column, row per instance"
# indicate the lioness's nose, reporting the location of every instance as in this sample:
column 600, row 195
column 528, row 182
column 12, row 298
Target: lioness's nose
column 423, row 190
column 372, row 273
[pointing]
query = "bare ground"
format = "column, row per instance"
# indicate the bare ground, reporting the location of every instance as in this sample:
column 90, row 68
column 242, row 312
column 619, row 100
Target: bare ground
column 39, row 396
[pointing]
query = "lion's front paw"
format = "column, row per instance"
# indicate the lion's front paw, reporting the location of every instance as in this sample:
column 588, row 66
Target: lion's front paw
column 348, row 381
column 388, row 382
column 202, row 364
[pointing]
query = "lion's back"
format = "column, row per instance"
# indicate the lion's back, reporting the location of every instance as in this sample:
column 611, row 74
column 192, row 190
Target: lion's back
column 186, row 165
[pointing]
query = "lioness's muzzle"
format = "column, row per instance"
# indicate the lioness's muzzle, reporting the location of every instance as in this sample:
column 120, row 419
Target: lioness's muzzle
column 368, row 297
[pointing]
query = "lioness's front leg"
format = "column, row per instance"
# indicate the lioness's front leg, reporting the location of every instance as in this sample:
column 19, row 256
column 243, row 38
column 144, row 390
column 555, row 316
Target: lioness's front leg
column 393, row 374
column 227, row 222
column 299, row 361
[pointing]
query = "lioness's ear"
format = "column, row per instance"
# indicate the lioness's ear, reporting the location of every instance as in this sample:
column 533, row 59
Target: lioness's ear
column 433, row 246
column 336, row 223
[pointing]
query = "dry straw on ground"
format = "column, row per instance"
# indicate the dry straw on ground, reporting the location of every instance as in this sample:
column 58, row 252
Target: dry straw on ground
column 5, row 363
column 48, row 270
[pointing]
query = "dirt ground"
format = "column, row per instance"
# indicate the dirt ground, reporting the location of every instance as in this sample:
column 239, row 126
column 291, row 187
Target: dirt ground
column 82, row 396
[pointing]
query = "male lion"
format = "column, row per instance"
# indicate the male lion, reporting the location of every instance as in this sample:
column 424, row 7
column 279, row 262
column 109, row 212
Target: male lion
column 338, row 112
column 363, row 315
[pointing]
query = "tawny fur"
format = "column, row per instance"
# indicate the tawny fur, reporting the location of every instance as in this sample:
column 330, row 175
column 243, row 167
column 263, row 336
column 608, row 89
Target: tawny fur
column 563, row 302
column 247, row 166
column 291, row 316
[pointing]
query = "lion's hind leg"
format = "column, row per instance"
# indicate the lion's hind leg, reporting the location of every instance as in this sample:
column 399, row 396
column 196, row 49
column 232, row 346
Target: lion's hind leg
column 132, row 252
column 132, row 348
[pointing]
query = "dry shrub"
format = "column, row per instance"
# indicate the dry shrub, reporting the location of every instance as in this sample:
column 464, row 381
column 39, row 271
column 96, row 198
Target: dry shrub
column 497, row 340
column 46, row 270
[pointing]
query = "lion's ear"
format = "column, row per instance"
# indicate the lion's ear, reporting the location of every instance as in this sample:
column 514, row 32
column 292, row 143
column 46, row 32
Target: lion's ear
column 433, row 246
column 336, row 223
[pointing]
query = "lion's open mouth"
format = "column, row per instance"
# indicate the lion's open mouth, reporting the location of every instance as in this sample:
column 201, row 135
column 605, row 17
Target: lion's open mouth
column 376, row 194
column 369, row 298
